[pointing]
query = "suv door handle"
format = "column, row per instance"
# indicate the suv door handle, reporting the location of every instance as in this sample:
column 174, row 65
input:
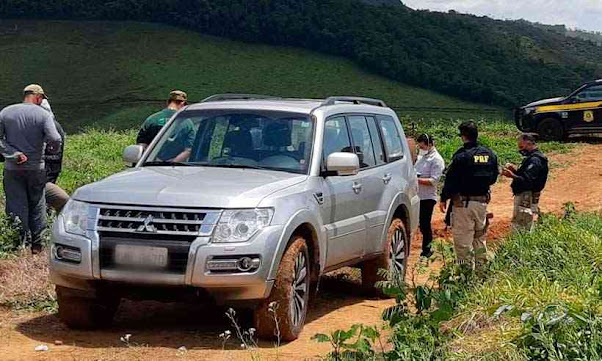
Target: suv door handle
column 387, row 178
column 357, row 187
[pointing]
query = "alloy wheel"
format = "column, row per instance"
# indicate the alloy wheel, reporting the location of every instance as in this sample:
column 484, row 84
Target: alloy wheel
column 397, row 253
column 299, row 290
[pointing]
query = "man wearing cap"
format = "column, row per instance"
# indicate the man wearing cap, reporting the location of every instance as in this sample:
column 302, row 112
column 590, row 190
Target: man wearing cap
column 25, row 130
column 153, row 124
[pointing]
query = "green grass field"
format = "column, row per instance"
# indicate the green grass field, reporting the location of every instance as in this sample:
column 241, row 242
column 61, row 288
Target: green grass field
column 114, row 74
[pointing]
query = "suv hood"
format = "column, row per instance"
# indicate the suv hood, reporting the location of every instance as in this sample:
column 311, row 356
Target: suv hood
column 188, row 187
column 549, row 101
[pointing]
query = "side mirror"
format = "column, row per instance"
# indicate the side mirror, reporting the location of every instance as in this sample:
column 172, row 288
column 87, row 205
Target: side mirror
column 343, row 164
column 133, row 153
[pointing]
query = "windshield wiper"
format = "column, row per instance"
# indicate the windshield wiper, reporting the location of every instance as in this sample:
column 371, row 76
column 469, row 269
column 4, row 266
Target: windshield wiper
column 240, row 166
column 167, row 164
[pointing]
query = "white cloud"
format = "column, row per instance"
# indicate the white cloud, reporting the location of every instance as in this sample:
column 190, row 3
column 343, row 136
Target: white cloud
column 582, row 14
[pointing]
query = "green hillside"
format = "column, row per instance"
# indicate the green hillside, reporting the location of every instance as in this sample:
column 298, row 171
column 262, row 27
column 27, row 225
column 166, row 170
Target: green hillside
column 507, row 63
column 116, row 73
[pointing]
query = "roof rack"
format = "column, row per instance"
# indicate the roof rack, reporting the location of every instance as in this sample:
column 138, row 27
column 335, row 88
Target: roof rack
column 224, row 97
column 354, row 100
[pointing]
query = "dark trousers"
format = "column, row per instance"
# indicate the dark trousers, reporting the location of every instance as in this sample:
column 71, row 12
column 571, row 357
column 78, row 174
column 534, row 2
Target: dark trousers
column 26, row 202
column 426, row 214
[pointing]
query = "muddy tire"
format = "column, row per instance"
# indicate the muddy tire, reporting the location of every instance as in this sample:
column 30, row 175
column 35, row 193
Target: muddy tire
column 290, row 294
column 85, row 313
column 550, row 129
column 395, row 257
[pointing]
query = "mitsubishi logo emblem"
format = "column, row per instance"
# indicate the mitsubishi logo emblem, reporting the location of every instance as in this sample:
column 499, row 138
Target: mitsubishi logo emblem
column 147, row 226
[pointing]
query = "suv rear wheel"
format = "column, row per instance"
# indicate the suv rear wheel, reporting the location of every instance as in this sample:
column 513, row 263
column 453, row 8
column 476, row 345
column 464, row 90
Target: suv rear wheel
column 394, row 259
column 85, row 312
column 550, row 129
column 289, row 297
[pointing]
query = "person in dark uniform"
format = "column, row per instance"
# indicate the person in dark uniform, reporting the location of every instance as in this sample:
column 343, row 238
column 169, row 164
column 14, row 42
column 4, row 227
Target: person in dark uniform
column 473, row 169
column 527, row 182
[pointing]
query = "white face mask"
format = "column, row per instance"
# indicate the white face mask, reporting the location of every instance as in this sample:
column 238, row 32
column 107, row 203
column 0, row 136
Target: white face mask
column 423, row 152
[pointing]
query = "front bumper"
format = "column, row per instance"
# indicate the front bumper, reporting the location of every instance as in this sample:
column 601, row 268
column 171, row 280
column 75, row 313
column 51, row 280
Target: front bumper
column 223, row 287
column 524, row 121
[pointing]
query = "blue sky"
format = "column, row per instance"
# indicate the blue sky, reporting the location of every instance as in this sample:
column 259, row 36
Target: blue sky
column 582, row 14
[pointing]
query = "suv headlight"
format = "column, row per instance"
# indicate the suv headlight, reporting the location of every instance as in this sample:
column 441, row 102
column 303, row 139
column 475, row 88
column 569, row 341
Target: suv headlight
column 529, row 110
column 75, row 217
column 239, row 225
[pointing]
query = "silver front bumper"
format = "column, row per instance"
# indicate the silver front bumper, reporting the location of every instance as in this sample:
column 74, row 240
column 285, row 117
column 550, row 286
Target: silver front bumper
column 222, row 286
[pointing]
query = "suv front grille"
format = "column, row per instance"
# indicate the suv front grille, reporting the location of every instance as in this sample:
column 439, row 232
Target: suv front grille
column 149, row 222
column 171, row 228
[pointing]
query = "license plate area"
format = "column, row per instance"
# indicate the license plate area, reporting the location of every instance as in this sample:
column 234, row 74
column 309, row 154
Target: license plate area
column 141, row 256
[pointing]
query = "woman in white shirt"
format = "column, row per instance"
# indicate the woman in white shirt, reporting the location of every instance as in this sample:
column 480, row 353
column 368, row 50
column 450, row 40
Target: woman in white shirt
column 429, row 168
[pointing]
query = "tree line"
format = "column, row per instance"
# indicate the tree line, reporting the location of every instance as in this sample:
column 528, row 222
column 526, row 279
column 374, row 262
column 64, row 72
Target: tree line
column 475, row 58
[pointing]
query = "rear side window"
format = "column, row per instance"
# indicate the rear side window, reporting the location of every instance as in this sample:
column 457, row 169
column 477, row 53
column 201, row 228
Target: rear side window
column 391, row 137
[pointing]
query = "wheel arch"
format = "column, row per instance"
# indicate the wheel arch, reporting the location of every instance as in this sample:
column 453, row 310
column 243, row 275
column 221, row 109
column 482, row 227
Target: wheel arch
column 307, row 225
column 400, row 208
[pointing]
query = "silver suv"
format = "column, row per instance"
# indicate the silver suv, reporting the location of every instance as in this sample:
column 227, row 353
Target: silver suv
column 243, row 200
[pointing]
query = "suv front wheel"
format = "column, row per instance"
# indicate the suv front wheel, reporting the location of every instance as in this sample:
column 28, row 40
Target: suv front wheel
column 395, row 259
column 282, row 315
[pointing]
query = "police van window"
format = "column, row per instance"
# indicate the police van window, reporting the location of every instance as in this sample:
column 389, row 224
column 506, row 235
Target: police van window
column 391, row 137
column 361, row 140
column 593, row 93
column 379, row 154
column 336, row 137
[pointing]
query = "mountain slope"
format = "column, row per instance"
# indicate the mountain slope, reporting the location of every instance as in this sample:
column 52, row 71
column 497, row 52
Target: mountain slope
column 477, row 58
column 117, row 73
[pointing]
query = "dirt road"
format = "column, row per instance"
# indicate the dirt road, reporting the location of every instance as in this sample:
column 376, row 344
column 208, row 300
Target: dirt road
column 158, row 331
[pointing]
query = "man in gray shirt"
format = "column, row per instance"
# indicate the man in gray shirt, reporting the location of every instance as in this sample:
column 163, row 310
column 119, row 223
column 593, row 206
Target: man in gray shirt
column 25, row 130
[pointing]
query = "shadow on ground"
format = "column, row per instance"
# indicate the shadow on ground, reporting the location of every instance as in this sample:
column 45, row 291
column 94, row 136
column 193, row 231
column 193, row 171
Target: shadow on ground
column 172, row 325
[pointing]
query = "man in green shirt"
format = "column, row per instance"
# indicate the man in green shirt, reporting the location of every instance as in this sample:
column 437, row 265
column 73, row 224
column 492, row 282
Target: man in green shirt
column 153, row 124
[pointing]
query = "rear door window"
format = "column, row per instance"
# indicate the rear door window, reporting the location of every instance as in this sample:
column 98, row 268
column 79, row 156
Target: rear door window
column 361, row 140
column 391, row 137
column 379, row 153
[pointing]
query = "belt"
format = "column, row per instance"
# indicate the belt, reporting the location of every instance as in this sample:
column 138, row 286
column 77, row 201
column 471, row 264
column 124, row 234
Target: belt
column 462, row 201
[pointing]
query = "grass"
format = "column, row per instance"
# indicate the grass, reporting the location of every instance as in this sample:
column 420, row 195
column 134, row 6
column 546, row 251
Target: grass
column 558, row 267
column 114, row 74
column 540, row 299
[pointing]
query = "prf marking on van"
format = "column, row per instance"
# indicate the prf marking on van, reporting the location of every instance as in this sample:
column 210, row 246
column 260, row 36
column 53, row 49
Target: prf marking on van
column 588, row 116
column 567, row 107
column 481, row 159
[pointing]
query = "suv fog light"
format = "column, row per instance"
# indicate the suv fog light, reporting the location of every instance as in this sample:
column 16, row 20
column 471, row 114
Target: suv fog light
column 241, row 264
column 68, row 254
column 247, row 264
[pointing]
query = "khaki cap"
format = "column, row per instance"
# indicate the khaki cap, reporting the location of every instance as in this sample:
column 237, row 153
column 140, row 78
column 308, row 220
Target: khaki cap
column 178, row 95
column 34, row 89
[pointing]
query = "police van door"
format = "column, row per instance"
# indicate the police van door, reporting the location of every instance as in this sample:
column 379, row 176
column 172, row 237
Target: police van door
column 586, row 111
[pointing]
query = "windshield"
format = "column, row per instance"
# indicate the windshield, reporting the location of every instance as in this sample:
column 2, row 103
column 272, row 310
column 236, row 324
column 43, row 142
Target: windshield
column 236, row 139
